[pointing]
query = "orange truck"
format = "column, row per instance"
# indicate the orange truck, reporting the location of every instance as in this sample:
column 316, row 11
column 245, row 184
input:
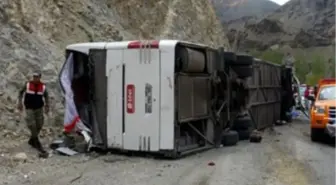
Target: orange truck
column 323, row 110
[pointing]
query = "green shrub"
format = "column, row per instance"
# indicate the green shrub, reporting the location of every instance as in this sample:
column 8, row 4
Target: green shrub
column 272, row 56
column 306, row 74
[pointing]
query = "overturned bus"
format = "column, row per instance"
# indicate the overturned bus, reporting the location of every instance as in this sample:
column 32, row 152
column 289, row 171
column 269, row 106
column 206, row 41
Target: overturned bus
column 170, row 97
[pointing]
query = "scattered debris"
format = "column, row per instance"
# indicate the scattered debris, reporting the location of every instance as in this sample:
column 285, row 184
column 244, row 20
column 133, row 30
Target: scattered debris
column 43, row 155
column 109, row 160
column 211, row 163
column 21, row 157
column 66, row 151
column 272, row 131
column 76, row 178
column 70, row 145
column 56, row 143
column 280, row 122
column 81, row 174
column 255, row 137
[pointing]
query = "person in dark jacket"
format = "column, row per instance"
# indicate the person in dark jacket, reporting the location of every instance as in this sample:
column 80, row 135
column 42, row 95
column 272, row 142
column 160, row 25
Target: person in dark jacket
column 306, row 97
column 35, row 96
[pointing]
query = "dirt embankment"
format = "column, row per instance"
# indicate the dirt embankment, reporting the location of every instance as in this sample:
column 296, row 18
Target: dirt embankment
column 33, row 36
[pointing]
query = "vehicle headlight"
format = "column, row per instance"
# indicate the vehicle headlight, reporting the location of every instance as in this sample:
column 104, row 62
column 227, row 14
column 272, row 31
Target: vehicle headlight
column 319, row 110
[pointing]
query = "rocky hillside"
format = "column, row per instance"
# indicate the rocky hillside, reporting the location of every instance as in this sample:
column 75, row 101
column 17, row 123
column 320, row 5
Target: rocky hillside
column 33, row 34
column 236, row 11
column 299, row 23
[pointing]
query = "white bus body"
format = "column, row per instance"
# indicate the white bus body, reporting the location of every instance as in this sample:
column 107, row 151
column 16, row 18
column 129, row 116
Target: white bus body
column 140, row 97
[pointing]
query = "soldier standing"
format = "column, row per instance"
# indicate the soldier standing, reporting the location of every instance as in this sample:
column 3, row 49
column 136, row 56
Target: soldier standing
column 33, row 93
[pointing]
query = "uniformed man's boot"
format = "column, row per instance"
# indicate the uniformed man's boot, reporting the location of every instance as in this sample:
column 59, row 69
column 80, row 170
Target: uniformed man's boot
column 32, row 142
column 39, row 146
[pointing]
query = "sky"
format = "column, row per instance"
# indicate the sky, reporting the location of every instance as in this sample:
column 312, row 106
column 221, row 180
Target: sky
column 280, row 2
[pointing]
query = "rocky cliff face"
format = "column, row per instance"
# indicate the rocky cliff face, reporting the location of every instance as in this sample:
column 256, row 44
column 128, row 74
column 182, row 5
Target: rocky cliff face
column 299, row 23
column 314, row 18
column 234, row 13
column 33, row 34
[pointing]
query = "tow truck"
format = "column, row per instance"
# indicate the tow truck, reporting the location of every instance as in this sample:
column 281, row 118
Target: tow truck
column 323, row 111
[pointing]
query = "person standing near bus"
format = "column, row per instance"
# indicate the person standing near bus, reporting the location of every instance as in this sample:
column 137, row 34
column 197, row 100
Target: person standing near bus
column 35, row 96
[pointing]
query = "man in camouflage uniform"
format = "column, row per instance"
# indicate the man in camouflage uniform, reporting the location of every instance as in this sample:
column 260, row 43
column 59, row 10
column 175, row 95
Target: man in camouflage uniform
column 33, row 93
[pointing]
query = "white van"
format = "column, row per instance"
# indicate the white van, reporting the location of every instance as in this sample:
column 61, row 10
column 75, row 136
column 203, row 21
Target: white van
column 149, row 96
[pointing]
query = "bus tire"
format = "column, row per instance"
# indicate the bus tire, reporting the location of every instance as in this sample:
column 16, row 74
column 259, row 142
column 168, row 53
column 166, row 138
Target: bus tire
column 230, row 138
column 244, row 134
column 243, row 71
column 244, row 60
column 242, row 123
column 230, row 57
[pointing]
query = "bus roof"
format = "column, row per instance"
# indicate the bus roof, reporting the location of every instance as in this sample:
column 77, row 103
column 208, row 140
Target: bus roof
column 85, row 47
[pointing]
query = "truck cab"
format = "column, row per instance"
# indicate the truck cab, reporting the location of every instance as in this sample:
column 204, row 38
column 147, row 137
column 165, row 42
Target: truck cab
column 323, row 111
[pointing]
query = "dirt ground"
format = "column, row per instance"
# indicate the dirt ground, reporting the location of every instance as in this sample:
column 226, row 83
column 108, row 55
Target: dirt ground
column 286, row 156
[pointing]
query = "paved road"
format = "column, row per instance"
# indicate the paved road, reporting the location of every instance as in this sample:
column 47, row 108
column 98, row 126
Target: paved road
column 285, row 157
